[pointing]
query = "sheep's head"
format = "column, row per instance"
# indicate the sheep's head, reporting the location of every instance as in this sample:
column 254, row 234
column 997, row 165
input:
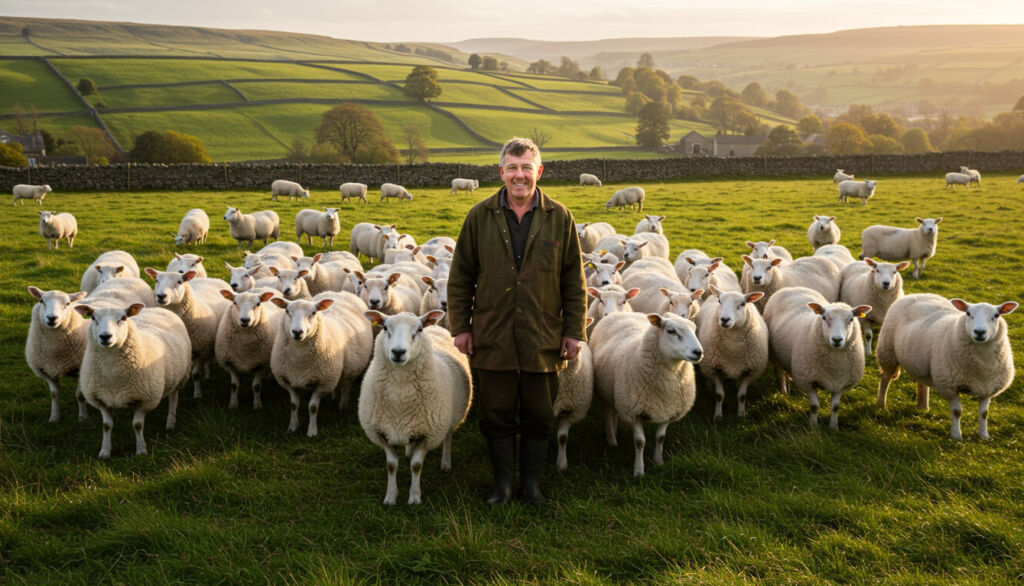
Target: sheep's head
column 983, row 321
column 762, row 271
column 732, row 306
column 232, row 214
column 612, row 298
column 400, row 334
column 169, row 288
column 376, row 289
column 929, row 226
column 55, row 306
column 300, row 320
column 289, row 281
column 109, row 326
column 886, row 276
column 677, row 339
column 682, row 303
column 823, row 223
column 838, row 322
column 248, row 307
column 438, row 287
column 761, row 249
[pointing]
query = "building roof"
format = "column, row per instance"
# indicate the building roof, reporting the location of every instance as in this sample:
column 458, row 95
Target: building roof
column 30, row 143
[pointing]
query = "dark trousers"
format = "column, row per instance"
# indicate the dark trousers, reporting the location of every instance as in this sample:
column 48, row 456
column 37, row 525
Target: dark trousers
column 516, row 402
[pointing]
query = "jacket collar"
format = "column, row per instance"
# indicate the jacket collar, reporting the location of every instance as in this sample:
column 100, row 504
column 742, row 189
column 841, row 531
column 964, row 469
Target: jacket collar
column 543, row 201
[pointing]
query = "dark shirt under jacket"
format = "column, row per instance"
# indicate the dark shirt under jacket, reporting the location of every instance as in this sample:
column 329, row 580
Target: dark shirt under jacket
column 519, row 231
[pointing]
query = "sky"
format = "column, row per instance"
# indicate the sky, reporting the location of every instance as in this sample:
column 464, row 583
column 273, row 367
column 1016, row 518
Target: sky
column 565, row 20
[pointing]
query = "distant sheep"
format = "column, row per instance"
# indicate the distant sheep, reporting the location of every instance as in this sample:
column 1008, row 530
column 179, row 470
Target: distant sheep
column 389, row 190
column 841, row 176
column 591, row 232
column 630, row 196
column 251, row 227
column 193, row 228
column 54, row 227
column 862, row 189
column 823, row 230
column 1020, row 179
column 353, row 190
column 36, row 192
column 894, row 244
column 588, row 179
column 288, row 188
column 312, row 223
column 974, row 174
column 650, row 224
column 469, row 185
column 954, row 179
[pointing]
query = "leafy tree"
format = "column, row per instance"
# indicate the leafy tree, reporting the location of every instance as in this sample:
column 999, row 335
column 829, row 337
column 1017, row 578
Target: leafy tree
column 24, row 122
column 355, row 133
column 568, row 67
column 645, row 60
column 635, row 102
column 809, row 125
column 754, row 94
column 626, row 73
column 489, row 63
column 597, row 74
column 422, row 83
column 651, row 84
column 782, row 141
column 540, row 137
column 11, row 155
column 652, row 128
column 298, row 151
column 787, row 104
column 415, row 149
column 93, row 142
column 915, row 140
column 475, row 61
column 845, row 139
column 168, row 147
column 48, row 139
column 883, row 124
column 725, row 112
column 541, row 67
column 687, row 82
column 881, row 144
column 1019, row 105
column 86, row 86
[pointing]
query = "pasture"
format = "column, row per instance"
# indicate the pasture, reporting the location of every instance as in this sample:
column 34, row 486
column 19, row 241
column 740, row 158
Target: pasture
column 231, row 496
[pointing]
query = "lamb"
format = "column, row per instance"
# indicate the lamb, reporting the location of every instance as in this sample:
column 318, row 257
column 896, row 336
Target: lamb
column 590, row 233
column 316, row 223
column 351, row 190
column 416, row 392
column 838, row 254
column 322, row 345
column 589, row 179
column 823, row 230
column 368, row 239
column 877, row 284
column 841, row 176
column 194, row 227
column 954, row 179
column 952, row 346
column 245, row 338
column 289, row 188
column 389, row 190
column 199, row 304
column 109, row 265
column 22, row 191
column 650, row 224
column 54, row 227
column 644, row 244
column 974, row 174
column 812, row 272
column 184, row 263
column 817, row 343
column 862, row 189
column 464, row 185
column 608, row 300
column 251, row 227
column 385, row 294
column 894, row 244
column 134, row 357
column 734, row 337
column 704, row 277
column 572, row 401
column 630, row 196
column 643, row 372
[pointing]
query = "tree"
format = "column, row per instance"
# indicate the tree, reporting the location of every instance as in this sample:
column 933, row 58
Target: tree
column 726, row 112
column 298, row 152
column 881, row 144
column 415, row 149
column 355, row 133
column 568, row 68
column 652, row 125
column 92, row 143
column 489, row 64
column 596, row 74
column 882, row 124
column 475, row 61
column 539, row 137
column 754, row 94
column 86, row 86
column 915, row 140
column 635, row 102
column 541, row 67
column 687, row 82
column 48, row 139
column 845, row 139
column 422, row 83
column 1019, row 105
column 787, row 104
column 11, row 155
column 782, row 141
column 168, row 147
column 24, row 122
column 809, row 125
column 645, row 60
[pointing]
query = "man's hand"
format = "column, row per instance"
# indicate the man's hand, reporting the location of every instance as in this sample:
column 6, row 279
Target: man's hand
column 570, row 348
column 464, row 343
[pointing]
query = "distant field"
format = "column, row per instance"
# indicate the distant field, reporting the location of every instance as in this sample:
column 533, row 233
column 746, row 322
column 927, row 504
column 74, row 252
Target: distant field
column 229, row 135
column 256, row 90
column 137, row 71
column 171, row 96
column 469, row 93
column 575, row 102
column 30, row 83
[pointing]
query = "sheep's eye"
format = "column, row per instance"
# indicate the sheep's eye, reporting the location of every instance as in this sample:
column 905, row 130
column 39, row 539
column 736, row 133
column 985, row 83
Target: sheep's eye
column 384, row 327
column 968, row 313
column 670, row 331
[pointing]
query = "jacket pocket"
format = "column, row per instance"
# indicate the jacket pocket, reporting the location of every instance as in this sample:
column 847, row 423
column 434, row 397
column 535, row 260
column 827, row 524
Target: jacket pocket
column 550, row 332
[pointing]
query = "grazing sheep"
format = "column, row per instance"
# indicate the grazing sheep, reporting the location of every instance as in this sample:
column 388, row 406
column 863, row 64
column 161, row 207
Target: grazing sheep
column 245, row 339
column 817, row 343
column 630, row 196
column 812, row 272
column 734, row 337
column 322, row 345
column 183, row 263
column 464, row 185
column 289, row 188
column 572, row 401
column 650, row 224
column 194, row 227
column 823, row 230
column 251, row 227
column 862, row 189
column 950, row 345
column 838, row 254
column 894, row 244
column 588, row 179
column 1020, row 179
column 368, row 239
column 643, row 372
column 974, row 174
column 316, row 223
column 54, row 226
column 591, row 232
column 841, row 176
column 134, row 357
column 22, row 191
column 644, row 244
column 108, row 265
column 954, row 179
column 877, row 284
column 351, row 190
column 416, row 392
column 389, row 190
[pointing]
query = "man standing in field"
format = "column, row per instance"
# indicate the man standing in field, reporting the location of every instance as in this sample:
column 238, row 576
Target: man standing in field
column 516, row 306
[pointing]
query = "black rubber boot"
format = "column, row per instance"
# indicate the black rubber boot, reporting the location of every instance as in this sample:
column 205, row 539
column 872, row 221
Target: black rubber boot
column 503, row 464
column 532, row 454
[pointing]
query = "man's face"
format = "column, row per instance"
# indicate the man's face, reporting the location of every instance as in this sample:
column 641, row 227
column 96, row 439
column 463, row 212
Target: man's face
column 520, row 174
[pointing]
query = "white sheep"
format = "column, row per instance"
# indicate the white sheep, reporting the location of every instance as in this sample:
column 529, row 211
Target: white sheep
column 608, row 300
column 838, row 254
column 734, row 337
column 322, row 345
column 290, row 282
column 660, row 293
column 572, row 401
column 644, row 244
column 134, row 357
column 416, row 392
column 262, row 225
column 389, row 190
column 242, row 279
column 312, row 223
column 950, row 345
column 590, row 233
column 183, row 263
column 690, row 258
column 954, row 179
column 817, row 343
column 768, row 250
column 841, row 176
column 895, row 244
column 384, row 293
column 862, row 189
column 438, row 246
column 368, row 239
column 54, row 227
column 823, row 230
column 435, row 297
column 974, row 174
column 652, row 264
column 353, row 190
column 407, row 253
column 770, row 276
column 589, row 179
column 650, row 224
column 245, row 339
column 22, row 191
column 194, row 227
column 614, row 244
column 289, row 188
column 604, row 273
column 469, row 185
column 630, row 196
column 877, row 284
column 703, row 277
column 643, row 372
column 109, row 265
column 280, row 248
column 1020, row 179
column 323, row 275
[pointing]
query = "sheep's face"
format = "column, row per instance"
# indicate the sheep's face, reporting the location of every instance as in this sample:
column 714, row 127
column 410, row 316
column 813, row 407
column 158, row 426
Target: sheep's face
column 301, row 321
column 761, row 250
column 823, row 223
column 308, row 264
column 983, row 321
column 605, row 274
column 677, row 339
column 634, row 250
column 179, row 240
column 384, row 232
column 438, row 291
column 400, row 337
column 684, row 304
column 762, row 271
column 732, row 308
column 699, row 277
column 376, row 292
column 46, row 218
column 250, row 310
column 109, row 327
column 839, row 326
column 612, row 298
column 886, row 276
column 654, row 223
column 109, row 271
column 929, row 226
column 330, row 213
column 241, row 278
column 581, row 229
column 232, row 214
column 55, row 307
column 870, row 185
column 290, row 282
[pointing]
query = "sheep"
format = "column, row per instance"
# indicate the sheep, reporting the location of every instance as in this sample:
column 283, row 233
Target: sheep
column 589, row 179
column 614, row 244
column 408, row 253
column 952, row 346
column 817, row 343
column 108, row 265
column 194, row 227
column 608, row 300
column 320, row 275
column 877, row 284
column 396, row 241
column 280, row 248
column 1020, row 179
column 652, row 264
column 630, row 196
column 703, row 277
column 643, row 372
column 54, row 227
column 385, row 294
column 439, row 246
column 245, row 338
column 644, row 244
column 862, row 189
column 242, row 279
column 251, row 227
column 590, row 233
column 184, row 263
column 974, row 174
column 416, row 392
column 838, row 254
column 316, row 223
column 322, row 345
column 605, row 274
column 22, row 191
column 690, row 258
column 291, row 283
column 650, row 224
column 841, row 176
column 368, row 239
column 823, row 230
column 464, row 185
column 812, row 272
column 572, row 401
column 894, row 244
column 435, row 297
column 351, row 190
column 289, row 188
column 389, row 190
column 134, row 357
column 768, row 250
column 199, row 304
column 661, row 294
column 734, row 337
column 954, row 179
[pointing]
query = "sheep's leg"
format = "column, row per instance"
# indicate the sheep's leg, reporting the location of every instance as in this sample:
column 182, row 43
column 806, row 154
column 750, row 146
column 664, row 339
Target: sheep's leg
column 293, row 423
column 419, row 452
column 917, row 269
column 54, row 384
column 208, row 369
column 391, row 496
column 562, row 462
column 956, row 409
column 833, row 420
column 983, row 417
column 446, row 453
column 813, row 396
column 83, row 411
column 741, row 398
column 719, row 395
column 610, row 426
column 922, row 397
column 236, row 382
column 257, row 388
column 781, row 374
column 139, row 423
column 197, row 384
column 659, row 443
column 172, row 410
column 869, row 336
column 884, row 379
column 108, row 424
column 314, row 407
column 344, row 390
column 639, row 441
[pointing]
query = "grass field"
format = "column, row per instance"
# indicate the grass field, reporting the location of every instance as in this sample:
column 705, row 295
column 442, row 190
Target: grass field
column 570, row 102
column 138, row 71
column 230, row 496
column 33, row 83
column 165, row 97
column 256, row 90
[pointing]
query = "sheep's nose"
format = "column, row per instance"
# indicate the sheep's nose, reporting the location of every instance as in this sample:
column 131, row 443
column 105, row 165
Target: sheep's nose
column 105, row 339
column 886, row 285
column 757, row 280
column 297, row 334
column 51, row 320
column 697, row 354
column 287, row 292
column 979, row 335
column 444, row 305
column 374, row 304
column 726, row 322
column 398, row 354
column 161, row 298
column 244, row 321
column 234, row 286
column 837, row 341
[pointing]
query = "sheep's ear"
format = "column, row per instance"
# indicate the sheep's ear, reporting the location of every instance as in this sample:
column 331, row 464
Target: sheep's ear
column 267, row 295
column 622, row 242
column 665, row 292
column 589, row 265
column 360, row 276
column 861, row 310
column 227, row 294
column 754, row 296
column 713, row 266
column 431, row 258
column 133, row 309
column 632, row 293
column 593, row 292
column 619, row 265
column 832, row 218
column 120, row 269
column 959, row 303
column 449, row 248
column 177, row 256
column 273, row 270
column 871, row 263
column 76, row 296
column 718, row 259
column 660, row 218
column 394, row 277
column 84, row 310
column 919, row 220
column 35, row 292
column 937, row 220
column 375, row 318
column 816, row 308
column 294, row 258
column 584, row 226
column 324, row 304
column 771, row 242
column 252, row 272
column 187, row 276
column 655, row 319
column 714, row 291
column 903, row 265
column 279, row 302
column 776, row 261
column 393, row 226
column 415, row 250
column 689, row 260
column 228, row 265
column 431, row 317
column 644, row 244
column 427, row 280
column 747, row 259
column 1007, row 307
column 303, row 273
column 750, row 245
column 150, row 271
column 698, row 294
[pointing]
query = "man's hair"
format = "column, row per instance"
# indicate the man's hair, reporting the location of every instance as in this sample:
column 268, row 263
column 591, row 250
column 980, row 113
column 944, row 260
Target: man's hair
column 518, row 146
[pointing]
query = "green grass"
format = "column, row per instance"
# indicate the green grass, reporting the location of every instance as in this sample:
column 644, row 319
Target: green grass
column 573, row 102
column 166, row 97
column 32, row 83
column 340, row 91
column 466, row 93
column 137, row 71
column 230, row 496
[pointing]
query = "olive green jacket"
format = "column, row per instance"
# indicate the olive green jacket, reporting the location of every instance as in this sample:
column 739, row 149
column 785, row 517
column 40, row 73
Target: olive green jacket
column 517, row 318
